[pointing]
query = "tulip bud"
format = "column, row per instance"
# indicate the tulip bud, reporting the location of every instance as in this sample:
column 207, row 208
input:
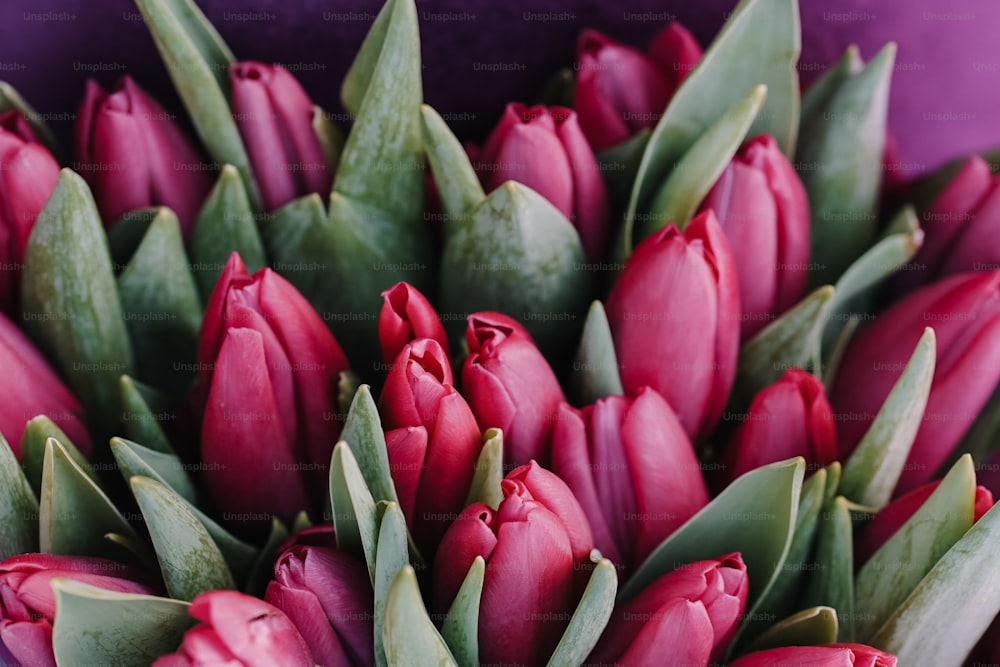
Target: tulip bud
column 238, row 630
column 28, row 603
column 674, row 316
column 133, row 155
column 32, row 388
column 829, row 655
column 633, row 469
column 964, row 311
column 789, row 418
column 28, row 173
column 275, row 119
column 544, row 149
column 761, row 205
column 620, row 91
column 698, row 606
column 271, row 369
column 407, row 315
column 510, row 386
column 432, row 438
column 314, row 580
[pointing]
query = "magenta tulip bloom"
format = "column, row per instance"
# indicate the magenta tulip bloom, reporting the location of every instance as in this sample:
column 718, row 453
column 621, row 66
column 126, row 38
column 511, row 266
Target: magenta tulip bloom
column 761, row 205
column 432, row 438
column 28, row 603
column 275, row 118
column 510, row 386
column 28, row 173
column 270, row 367
column 674, row 314
column 31, row 388
column 133, row 155
column 829, row 655
column 405, row 316
column 964, row 311
column 632, row 467
column 789, row 418
column 620, row 91
column 238, row 630
column 695, row 610
column 545, row 149
column 316, row 581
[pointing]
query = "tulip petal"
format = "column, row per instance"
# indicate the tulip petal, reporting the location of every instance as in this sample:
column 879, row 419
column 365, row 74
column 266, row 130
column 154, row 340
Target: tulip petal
column 407, row 449
column 680, row 624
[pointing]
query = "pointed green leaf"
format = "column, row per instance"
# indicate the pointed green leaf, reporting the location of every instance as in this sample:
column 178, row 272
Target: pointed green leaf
column 261, row 570
column 873, row 470
column 392, row 557
column 331, row 137
column 895, row 570
column 18, row 507
column 134, row 459
column 360, row 74
column 190, row 561
column 485, row 487
column 831, row 583
column 595, row 368
column 619, row 166
column 809, row 627
column 819, row 93
column 125, row 235
column 353, row 507
column 591, row 616
column 409, row 637
column 457, row 183
column 10, row 99
column 363, row 433
column 226, row 224
column 700, row 167
column 204, row 36
column 140, row 422
column 94, row 626
column 70, row 300
column 37, row 432
column 460, row 629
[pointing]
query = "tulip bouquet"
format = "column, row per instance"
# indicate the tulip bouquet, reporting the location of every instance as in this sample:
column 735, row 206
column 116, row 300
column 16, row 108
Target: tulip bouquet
column 667, row 371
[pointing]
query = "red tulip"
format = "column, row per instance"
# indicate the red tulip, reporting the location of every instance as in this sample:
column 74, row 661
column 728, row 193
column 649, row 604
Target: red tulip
column 32, row 388
column 761, row 205
column 28, row 603
column 510, row 386
column 28, row 173
column 275, row 118
column 789, row 418
column 432, row 438
column 829, row 655
column 697, row 607
column 407, row 315
column 964, row 311
column 633, row 469
column 238, row 630
column 620, row 91
column 269, row 421
column 544, row 149
column 674, row 315
column 133, row 155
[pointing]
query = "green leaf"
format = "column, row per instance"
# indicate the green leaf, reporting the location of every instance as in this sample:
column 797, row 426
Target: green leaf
column 700, row 167
column 134, row 459
column 18, row 507
column 10, row 100
column 832, row 582
column 810, row 627
column 595, row 368
column 590, row 618
column 261, row 571
column 71, row 303
column 125, row 235
column 872, row 471
column 391, row 558
column 947, row 613
column 139, row 421
column 190, row 561
column 363, row 433
column 460, row 629
column 485, row 487
column 408, row 635
column 36, row 433
column 842, row 144
column 896, row 569
column 331, row 137
column 354, row 520
column 619, row 166
column 94, row 626
column 560, row 90
column 359, row 76
column 226, row 224
column 456, row 180
column 819, row 93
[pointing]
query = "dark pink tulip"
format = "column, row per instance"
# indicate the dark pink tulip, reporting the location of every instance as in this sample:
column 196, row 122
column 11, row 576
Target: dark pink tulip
column 28, row 603
column 964, row 311
column 315, row 582
column 545, row 149
column 620, row 91
column 674, row 314
column 405, row 316
column 633, row 469
column 238, row 630
column 31, row 388
column 270, row 367
column 432, row 438
column 510, row 386
column 275, row 118
column 133, row 155
column 828, row 655
column 761, row 205
column 789, row 418
column 28, row 173
column 712, row 596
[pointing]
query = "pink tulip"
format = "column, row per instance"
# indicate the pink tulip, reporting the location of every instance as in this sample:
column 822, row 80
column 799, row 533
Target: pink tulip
column 829, row 655
column 405, row 316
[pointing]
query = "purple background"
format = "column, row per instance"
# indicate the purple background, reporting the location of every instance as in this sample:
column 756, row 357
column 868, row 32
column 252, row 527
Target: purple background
column 945, row 102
